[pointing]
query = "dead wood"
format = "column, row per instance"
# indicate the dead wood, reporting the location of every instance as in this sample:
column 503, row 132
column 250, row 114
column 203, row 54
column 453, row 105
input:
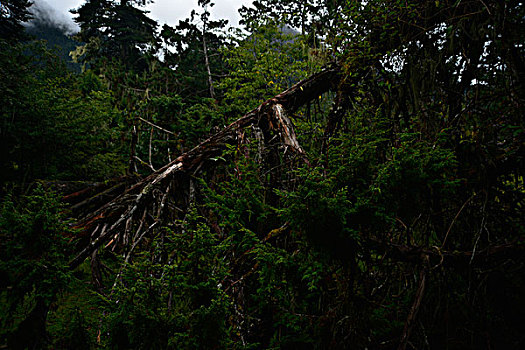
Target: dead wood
column 157, row 127
column 117, row 217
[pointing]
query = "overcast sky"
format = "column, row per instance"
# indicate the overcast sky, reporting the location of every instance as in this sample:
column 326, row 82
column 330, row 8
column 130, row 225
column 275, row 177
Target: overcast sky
column 164, row 11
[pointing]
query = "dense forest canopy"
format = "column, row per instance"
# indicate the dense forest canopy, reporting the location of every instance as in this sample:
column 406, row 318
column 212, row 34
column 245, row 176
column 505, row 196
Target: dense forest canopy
column 336, row 174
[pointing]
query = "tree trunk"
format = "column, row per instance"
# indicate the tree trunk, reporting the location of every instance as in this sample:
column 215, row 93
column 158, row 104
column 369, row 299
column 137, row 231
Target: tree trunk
column 108, row 222
column 207, row 62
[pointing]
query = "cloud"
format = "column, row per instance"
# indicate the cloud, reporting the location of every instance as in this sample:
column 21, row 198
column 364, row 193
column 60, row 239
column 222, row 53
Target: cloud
column 55, row 12
column 43, row 13
column 170, row 11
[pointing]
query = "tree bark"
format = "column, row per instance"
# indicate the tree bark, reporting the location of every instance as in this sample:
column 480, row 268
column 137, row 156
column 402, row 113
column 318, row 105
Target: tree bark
column 207, row 62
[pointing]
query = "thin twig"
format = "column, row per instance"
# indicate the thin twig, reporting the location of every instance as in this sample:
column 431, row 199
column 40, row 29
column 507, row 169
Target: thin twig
column 149, row 151
column 481, row 226
column 414, row 309
column 455, row 218
column 156, row 126
column 126, row 260
column 144, row 163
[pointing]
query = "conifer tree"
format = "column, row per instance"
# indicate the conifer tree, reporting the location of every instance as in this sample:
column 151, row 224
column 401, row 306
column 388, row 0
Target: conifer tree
column 12, row 14
column 115, row 30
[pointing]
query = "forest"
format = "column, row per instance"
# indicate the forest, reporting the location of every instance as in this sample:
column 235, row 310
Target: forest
column 331, row 174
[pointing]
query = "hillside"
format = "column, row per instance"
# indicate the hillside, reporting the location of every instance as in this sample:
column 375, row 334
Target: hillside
column 335, row 175
column 57, row 38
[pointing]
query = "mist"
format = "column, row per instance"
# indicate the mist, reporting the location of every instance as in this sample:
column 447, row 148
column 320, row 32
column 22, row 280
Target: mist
column 44, row 14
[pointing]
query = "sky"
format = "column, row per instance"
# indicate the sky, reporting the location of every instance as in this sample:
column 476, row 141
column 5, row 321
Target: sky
column 164, row 11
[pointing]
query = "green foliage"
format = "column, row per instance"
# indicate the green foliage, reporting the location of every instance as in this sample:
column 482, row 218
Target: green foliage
column 178, row 304
column 249, row 209
column 413, row 168
column 197, row 42
column 33, row 265
column 262, row 65
column 112, row 30
column 90, row 123
column 12, row 14
column 55, row 38
column 55, row 124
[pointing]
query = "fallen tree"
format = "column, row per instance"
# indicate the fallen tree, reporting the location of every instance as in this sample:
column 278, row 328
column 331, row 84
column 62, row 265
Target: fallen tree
column 124, row 217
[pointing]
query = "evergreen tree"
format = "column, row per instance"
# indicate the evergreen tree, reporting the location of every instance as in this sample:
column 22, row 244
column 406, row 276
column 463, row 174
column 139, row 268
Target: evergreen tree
column 12, row 14
column 197, row 42
column 33, row 266
column 114, row 30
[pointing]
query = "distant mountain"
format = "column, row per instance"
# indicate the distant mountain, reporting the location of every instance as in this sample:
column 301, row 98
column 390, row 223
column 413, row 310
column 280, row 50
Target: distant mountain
column 287, row 30
column 56, row 38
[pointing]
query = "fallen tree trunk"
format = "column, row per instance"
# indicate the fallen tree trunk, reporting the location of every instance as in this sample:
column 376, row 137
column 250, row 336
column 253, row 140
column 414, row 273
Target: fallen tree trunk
column 120, row 214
